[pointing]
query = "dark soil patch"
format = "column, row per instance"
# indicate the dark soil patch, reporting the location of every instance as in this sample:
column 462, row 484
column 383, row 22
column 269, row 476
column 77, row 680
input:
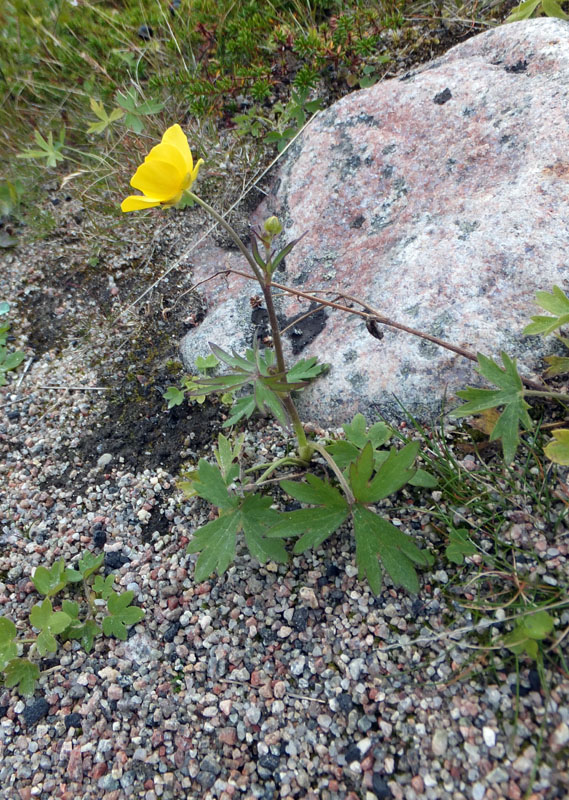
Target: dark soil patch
column 140, row 433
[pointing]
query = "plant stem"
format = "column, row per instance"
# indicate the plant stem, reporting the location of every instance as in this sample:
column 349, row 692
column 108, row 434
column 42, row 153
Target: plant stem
column 304, row 449
column 270, row 468
column 552, row 395
column 231, row 231
column 337, row 472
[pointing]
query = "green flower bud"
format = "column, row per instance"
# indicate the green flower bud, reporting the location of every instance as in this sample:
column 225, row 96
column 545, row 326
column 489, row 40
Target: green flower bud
column 272, row 226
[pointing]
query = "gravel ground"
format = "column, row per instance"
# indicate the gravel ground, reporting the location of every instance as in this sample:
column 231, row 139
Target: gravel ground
column 270, row 682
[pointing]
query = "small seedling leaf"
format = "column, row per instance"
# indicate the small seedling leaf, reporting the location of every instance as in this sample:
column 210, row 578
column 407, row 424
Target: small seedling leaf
column 90, row 563
column 103, row 586
column 558, row 449
column 8, row 648
column 174, row 396
column 50, row 581
column 460, row 546
column 85, row 634
column 121, row 614
column 559, row 365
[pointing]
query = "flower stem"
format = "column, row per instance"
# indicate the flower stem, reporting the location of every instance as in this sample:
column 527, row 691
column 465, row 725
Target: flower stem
column 304, row 449
column 232, row 232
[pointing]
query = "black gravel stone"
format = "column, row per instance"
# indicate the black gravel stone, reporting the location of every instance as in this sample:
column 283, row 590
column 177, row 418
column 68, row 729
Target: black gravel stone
column 115, row 560
column 379, row 787
column 345, row 702
column 534, row 680
column 353, row 753
column 171, row 632
column 35, row 711
column 300, row 619
column 333, row 571
column 73, row 721
column 268, row 636
column 99, row 534
column 269, row 762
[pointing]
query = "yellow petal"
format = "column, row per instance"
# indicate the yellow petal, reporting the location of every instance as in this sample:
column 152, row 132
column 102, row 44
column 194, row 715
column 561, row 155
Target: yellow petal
column 169, row 153
column 159, row 179
column 196, row 170
column 136, row 201
column 176, row 137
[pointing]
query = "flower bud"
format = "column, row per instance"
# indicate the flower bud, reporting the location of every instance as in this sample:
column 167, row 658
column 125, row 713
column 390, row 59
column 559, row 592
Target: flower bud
column 272, row 226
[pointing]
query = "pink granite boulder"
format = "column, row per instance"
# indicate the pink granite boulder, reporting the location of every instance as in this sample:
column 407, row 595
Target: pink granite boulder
column 440, row 198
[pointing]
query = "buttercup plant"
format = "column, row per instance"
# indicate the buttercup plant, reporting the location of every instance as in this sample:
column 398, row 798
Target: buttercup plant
column 363, row 472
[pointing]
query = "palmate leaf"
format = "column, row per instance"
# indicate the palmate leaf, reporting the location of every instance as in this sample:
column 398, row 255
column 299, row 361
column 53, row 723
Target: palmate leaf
column 378, row 538
column 557, row 303
column 394, row 473
column 307, row 369
column 528, row 632
column 227, row 457
column 216, row 541
column 211, row 485
column 312, row 525
column 121, row 614
column 22, row 673
column 104, row 119
column 243, row 407
column 47, row 148
column 510, row 394
column 459, row 546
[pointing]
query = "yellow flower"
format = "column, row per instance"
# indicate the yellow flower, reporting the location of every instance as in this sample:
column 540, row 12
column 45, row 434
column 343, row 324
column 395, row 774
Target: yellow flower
column 168, row 171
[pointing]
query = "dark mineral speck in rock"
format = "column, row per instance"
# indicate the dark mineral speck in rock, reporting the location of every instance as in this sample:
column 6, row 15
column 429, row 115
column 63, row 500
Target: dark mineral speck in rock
column 379, row 787
column 35, row 711
column 300, row 619
column 442, row 97
column 73, row 721
column 115, row 560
